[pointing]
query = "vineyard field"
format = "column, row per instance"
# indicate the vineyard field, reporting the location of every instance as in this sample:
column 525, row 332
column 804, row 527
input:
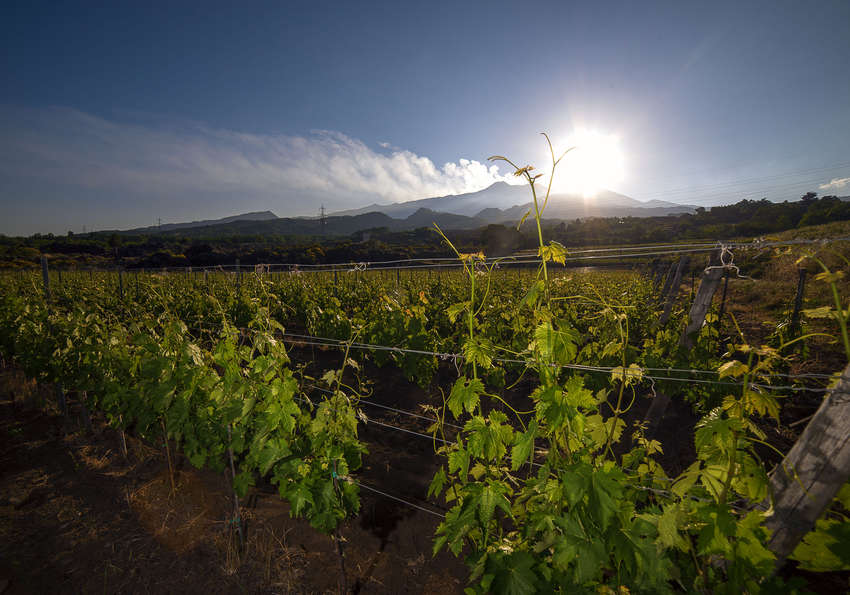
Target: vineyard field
column 528, row 429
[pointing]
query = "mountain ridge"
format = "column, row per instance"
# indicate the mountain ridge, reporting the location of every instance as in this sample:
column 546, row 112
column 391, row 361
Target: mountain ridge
column 499, row 203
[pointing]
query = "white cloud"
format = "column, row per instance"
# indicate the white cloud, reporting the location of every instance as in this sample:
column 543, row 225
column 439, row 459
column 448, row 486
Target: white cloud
column 835, row 184
column 78, row 152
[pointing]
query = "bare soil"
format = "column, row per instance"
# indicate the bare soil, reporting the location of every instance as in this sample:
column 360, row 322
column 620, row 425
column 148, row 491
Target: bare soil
column 77, row 517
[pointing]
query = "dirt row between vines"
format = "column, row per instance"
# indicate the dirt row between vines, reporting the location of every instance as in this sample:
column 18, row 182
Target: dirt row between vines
column 75, row 516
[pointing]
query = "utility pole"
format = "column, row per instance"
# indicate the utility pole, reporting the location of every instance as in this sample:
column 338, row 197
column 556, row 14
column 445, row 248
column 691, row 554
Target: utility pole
column 323, row 221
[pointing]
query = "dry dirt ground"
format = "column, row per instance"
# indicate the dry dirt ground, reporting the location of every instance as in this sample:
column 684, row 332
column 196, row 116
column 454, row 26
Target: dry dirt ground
column 77, row 517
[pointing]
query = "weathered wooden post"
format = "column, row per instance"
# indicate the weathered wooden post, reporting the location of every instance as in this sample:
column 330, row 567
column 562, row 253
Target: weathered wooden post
column 812, row 472
column 668, row 281
column 723, row 300
column 659, row 274
column 702, row 302
column 674, row 291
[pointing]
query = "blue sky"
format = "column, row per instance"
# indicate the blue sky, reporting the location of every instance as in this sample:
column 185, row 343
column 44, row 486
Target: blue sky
column 114, row 114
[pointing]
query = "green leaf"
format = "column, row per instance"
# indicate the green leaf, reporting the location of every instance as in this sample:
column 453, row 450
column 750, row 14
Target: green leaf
column 465, row 395
column 556, row 345
column 826, row 548
column 490, row 493
column 300, row 499
column 524, row 217
column 242, row 482
column 829, row 277
column 523, row 446
column 553, row 252
column 733, row 368
column 575, row 483
column 488, row 438
column 513, row 574
column 479, row 351
column 455, row 310
column 437, row 484
column 669, row 524
column 591, row 560
column 687, row 479
column 459, row 463
column 602, row 498
column 822, row 312
column 533, row 293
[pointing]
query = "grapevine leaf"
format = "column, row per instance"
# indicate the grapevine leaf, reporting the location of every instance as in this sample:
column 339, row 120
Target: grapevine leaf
column 575, row 484
column 479, row 351
column 524, row 217
column 465, row 395
column 455, row 310
column 533, row 293
column 300, row 499
column 590, row 560
column 437, row 484
column 523, row 445
column 459, row 463
column 687, row 480
column 513, row 574
column 669, row 522
column 822, row 312
column 242, row 482
column 733, row 368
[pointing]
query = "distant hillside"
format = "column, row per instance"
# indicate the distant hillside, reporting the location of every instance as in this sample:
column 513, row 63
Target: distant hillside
column 255, row 216
column 334, row 225
column 500, row 203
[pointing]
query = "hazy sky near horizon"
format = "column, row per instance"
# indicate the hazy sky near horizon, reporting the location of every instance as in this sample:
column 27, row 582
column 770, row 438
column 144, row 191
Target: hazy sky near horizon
column 115, row 114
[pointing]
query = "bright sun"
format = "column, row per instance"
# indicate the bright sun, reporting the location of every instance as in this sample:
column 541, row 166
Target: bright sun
column 595, row 163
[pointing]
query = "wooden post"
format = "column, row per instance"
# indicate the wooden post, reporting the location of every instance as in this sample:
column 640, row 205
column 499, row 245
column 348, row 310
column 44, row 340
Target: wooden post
column 237, row 518
column 655, row 413
column 657, row 273
column 812, row 472
column 702, row 302
column 668, row 280
column 120, row 284
column 44, row 278
column 238, row 277
column 60, row 400
column 674, row 291
column 85, row 412
column 338, row 539
column 723, row 300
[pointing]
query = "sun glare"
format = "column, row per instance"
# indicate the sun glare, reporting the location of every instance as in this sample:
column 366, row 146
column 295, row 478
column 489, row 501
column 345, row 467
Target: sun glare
column 596, row 163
